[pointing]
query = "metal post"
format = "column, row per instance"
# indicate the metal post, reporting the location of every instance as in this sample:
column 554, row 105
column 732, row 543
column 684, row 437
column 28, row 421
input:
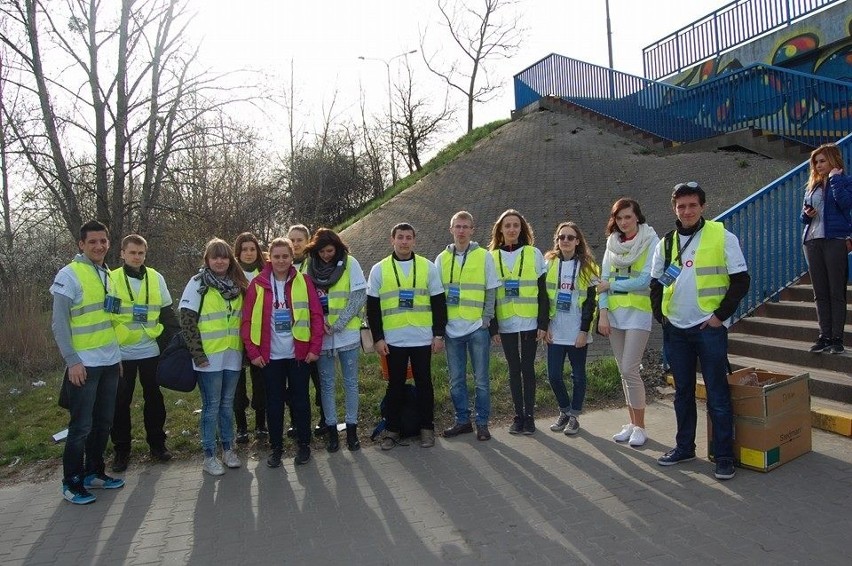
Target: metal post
column 609, row 47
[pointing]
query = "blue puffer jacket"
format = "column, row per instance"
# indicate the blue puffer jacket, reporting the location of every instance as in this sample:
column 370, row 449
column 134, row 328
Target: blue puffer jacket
column 837, row 208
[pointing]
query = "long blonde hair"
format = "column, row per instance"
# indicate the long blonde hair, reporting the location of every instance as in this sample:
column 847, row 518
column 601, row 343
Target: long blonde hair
column 834, row 158
column 588, row 266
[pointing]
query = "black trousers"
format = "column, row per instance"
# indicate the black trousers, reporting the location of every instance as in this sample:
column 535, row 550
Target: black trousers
column 421, row 366
column 521, row 369
column 153, row 410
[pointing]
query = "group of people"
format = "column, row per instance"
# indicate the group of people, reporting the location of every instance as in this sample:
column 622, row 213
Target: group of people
column 293, row 313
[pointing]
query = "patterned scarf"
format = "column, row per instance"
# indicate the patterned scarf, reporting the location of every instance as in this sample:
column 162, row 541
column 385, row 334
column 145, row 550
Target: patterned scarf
column 226, row 287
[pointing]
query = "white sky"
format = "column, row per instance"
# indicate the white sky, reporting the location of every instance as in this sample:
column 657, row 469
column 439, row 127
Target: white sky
column 324, row 39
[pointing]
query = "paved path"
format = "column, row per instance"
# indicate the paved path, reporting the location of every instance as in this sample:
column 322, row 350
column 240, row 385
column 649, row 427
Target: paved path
column 546, row 499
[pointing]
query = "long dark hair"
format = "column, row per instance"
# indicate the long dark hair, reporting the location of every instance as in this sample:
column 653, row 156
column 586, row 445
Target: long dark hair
column 322, row 238
column 621, row 204
column 238, row 247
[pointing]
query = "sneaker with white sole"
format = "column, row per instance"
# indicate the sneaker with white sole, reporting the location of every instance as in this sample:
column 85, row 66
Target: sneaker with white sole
column 560, row 423
column 213, row 466
column 230, row 458
column 102, row 481
column 625, row 433
column 572, row 427
column 76, row 493
column 637, row 437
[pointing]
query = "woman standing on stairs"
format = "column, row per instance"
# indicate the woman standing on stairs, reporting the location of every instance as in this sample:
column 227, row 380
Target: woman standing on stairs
column 624, row 304
column 826, row 214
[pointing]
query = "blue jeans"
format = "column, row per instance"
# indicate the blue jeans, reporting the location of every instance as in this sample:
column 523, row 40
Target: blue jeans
column 287, row 381
column 92, row 406
column 217, row 407
column 478, row 345
column 556, row 373
column 349, row 369
column 684, row 347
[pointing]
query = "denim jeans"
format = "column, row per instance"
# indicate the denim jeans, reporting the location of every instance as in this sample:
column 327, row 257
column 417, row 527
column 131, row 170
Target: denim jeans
column 685, row 346
column 521, row 369
column 217, row 407
column 92, row 406
column 478, row 345
column 556, row 375
column 287, row 381
column 349, row 369
column 153, row 411
column 420, row 358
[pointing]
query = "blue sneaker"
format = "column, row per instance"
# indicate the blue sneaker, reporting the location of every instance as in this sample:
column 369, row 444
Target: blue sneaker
column 675, row 456
column 102, row 481
column 77, row 494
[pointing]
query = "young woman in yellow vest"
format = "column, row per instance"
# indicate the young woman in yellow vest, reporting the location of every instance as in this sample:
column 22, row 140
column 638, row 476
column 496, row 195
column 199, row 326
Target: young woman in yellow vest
column 210, row 313
column 282, row 329
column 624, row 305
column 521, row 310
column 571, row 277
column 250, row 257
column 342, row 290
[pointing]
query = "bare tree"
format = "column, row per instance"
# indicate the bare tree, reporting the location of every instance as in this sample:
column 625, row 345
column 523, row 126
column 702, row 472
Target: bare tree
column 490, row 32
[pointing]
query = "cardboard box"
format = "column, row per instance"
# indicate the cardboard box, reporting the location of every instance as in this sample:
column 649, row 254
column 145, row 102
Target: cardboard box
column 772, row 421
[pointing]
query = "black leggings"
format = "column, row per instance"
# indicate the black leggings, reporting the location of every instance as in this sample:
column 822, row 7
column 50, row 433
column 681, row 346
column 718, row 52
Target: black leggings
column 521, row 369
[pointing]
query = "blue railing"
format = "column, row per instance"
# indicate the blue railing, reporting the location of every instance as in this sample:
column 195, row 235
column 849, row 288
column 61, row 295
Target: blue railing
column 770, row 233
column 723, row 29
column 794, row 105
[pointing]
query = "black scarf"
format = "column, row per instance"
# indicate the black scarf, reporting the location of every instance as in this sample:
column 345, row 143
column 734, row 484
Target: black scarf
column 135, row 273
column 689, row 231
column 325, row 275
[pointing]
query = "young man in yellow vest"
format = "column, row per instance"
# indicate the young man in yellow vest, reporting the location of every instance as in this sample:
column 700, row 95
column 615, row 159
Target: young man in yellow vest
column 470, row 284
column 83, row 305
column 146, row 311
column 698, row 277
column 407, row 313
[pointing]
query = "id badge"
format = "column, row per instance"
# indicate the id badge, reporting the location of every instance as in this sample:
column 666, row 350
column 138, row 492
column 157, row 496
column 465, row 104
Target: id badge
column 619, row 278
column 453, row 294
column 669, row 276
column 406, row 298
column 112, row 304
column 324, row 302
column 140, row 313
column 281, row 320
column 563, row 301
column 512, row 287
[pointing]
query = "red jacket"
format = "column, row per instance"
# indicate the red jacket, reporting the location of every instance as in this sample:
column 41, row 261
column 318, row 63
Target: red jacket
column 317, row 320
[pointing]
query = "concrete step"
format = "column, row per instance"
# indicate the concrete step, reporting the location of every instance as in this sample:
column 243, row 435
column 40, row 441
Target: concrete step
column 792, row 352
column 793, row 310
column 826, row 384
column 799, row 330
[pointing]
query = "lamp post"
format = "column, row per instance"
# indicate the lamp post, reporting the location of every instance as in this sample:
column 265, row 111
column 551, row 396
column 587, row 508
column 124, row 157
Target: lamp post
column 609, row 47
column 387, row 63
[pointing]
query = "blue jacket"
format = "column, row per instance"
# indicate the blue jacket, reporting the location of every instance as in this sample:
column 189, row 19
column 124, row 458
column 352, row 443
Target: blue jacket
column 837, row 208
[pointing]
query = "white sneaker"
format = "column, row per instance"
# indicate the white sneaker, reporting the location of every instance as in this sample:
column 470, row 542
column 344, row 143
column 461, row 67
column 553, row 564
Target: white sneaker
column 637, row 437
column 213, row 466
column 231, row 459
column 625, row 433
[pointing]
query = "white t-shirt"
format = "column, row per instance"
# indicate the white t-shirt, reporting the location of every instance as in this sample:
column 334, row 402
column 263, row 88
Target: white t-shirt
column 458, row 327
column 229, row 359
column 629, row 318
column 281, row 346
column 684, row 311
column 518, row 323
column 565, row 325
column 347, row 337
column 408, row 336
column 147, row 347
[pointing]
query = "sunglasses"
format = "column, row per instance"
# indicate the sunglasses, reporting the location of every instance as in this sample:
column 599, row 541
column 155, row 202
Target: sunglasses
column 568, row 237
column 690, row 185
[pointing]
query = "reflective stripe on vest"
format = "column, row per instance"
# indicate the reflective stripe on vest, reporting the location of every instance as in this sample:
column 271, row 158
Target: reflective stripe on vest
column 394, row 317
column 639, row 299
column 127, row 331
column 525, row 305
column 338, row 298
column 471, row 282
column 579, row 292
column 219, row 323
column 91, row 326
column 300, row 314
column 711, row 272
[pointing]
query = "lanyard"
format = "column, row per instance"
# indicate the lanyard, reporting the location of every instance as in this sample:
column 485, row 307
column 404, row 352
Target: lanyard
column 686, row 245
column 453, row 264
column 414, row 268
column 104, row 280
column 130, row 291
column 283, row 304
column 573, row 274
column 520, row 270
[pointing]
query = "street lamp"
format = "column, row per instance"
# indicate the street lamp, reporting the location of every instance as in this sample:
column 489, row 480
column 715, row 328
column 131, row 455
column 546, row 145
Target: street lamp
column 387, row 63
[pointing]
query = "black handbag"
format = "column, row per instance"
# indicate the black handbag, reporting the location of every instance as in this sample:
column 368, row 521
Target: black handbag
column 175, row 370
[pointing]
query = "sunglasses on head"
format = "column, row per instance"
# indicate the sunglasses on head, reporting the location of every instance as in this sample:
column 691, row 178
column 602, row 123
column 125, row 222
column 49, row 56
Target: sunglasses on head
column 690, row 185
column 568, row 237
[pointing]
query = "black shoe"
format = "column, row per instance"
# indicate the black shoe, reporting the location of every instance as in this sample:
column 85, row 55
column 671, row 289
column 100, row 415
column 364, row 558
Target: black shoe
column 836, row 346
column 352, row 441
column 120, row 461
column 161, row 454
column 458, row 429
column 332, row 443
column 724, row 469
column 291, row 433
column 529, row 426
column 261, row 433
column 320, row 429
column 517, row 426
column 242, row 436
column 303, row 455
column 274, row 459
column 822, row 344
column 675, row 456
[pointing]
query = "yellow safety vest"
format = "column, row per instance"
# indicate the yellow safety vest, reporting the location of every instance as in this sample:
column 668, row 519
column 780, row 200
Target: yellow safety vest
column 219, row 323
column 91, row 325
column 470, row 279
column 338, row 297
column 578, row 294
column 300, row 313
column 639, row 299
column 525, row 305
column 127, row 331
column 711, row 271
column 394, row 317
